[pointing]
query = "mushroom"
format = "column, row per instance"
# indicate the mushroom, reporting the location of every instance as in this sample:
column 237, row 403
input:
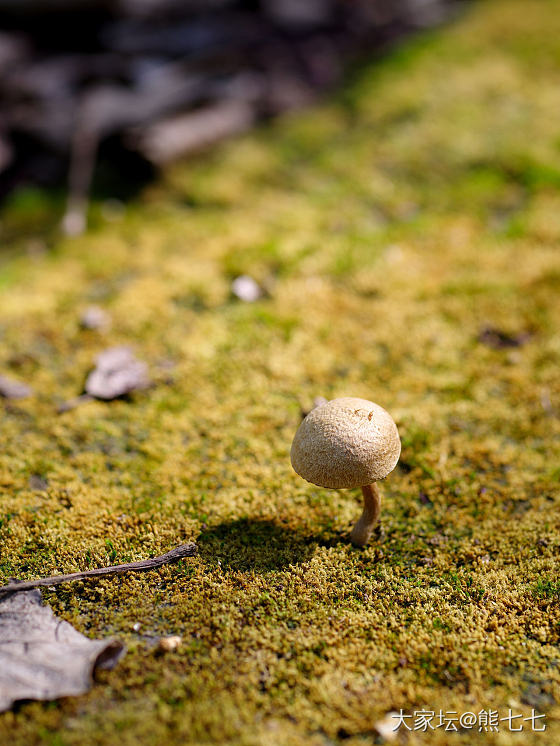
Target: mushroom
column 347, row 443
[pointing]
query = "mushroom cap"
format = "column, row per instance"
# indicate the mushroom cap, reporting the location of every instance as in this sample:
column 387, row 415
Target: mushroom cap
column 346, row 443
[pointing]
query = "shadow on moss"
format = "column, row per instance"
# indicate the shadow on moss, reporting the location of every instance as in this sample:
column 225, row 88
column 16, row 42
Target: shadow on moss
column 252, row 544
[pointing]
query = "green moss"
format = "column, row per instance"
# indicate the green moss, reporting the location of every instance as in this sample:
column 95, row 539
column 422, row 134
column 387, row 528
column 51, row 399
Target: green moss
column 388, row 227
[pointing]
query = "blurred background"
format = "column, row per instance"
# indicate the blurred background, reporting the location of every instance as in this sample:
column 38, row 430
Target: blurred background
column 99, row 94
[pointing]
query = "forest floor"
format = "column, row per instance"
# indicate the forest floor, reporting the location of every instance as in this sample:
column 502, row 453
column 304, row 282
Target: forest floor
column 406, row 232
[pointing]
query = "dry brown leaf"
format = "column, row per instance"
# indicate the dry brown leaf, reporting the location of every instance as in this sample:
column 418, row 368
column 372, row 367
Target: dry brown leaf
column 43, row 657
column 117, row 373
column 498, row 339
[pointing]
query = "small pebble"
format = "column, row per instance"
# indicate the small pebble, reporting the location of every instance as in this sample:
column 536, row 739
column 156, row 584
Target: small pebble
column 387, row 728
column 95, row 317
column 169, row 644
column 246, row 289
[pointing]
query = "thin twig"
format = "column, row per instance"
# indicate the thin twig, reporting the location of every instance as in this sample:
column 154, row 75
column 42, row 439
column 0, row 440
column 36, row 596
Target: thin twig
column 82, row 166
column 73, row 403
column 180, row 552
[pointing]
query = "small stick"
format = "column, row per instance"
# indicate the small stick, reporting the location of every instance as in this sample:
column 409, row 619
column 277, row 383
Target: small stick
column 180, row 552
column 82, row 165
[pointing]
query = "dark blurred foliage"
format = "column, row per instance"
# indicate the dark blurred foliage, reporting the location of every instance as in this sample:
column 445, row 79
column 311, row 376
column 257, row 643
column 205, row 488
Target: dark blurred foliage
column 141, row 82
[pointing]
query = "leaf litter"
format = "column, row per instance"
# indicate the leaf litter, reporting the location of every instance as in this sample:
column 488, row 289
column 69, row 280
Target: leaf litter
column 117, row 373
column 43, row 657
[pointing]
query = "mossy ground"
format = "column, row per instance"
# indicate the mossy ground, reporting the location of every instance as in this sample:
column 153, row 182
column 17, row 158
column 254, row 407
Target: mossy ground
column 390, row 225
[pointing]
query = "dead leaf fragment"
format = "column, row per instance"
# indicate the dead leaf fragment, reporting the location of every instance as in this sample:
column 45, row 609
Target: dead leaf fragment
column 177, row 136
column 499, row 339
column 117, row 373
column 43, row 657
column 11, row 389
column 38, row 483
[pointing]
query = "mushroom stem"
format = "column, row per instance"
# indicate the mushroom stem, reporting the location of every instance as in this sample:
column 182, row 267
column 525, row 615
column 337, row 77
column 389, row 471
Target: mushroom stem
column 372, row 508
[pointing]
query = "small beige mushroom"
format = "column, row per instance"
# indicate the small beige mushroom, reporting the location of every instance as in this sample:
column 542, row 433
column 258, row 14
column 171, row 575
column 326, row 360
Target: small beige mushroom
column 348, row 443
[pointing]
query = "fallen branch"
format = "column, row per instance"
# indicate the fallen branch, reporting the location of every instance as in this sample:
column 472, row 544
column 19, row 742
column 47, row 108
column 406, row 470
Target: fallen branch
column 180, row 552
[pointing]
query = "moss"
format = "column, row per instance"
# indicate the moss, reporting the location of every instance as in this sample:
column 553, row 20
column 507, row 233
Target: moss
column 388, row 226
